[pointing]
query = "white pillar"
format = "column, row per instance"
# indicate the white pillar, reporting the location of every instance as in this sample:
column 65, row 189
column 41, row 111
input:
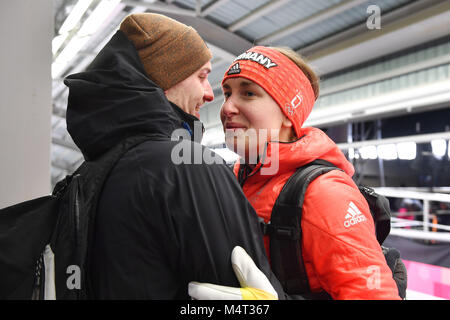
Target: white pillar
column 426, row 214
column 26, row 29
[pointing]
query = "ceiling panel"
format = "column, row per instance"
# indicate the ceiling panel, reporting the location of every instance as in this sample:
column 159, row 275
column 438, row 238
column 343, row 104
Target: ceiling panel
column 292, row 12
column 340, row 22
column 234, row 10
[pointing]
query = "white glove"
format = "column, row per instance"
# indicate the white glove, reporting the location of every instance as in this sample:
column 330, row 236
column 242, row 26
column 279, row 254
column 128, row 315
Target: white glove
column 254, row 284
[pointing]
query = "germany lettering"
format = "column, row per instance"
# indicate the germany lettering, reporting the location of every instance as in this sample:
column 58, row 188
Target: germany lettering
column 258, row 58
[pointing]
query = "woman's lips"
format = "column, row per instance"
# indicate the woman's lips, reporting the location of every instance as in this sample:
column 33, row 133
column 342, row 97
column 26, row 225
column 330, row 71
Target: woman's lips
column 233, row 126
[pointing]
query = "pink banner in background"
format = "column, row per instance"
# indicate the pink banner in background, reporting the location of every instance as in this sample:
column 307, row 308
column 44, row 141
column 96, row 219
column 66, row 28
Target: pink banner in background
column 429, row 279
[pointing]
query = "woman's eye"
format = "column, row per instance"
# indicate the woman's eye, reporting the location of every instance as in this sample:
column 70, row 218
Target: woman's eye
column 249, row 94
column 226, row 94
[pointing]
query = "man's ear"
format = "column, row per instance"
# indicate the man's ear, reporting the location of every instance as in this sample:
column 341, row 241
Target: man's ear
column 169, row 94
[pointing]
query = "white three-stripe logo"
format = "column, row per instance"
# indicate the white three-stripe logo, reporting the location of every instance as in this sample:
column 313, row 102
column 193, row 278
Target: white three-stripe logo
column 235, row 69
column 352, row 211
column 353, row 215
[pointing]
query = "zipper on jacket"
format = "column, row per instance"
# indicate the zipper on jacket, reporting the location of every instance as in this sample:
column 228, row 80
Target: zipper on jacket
column 248, row 171
column 243, row 174
column 242, row 179
column 253, row 171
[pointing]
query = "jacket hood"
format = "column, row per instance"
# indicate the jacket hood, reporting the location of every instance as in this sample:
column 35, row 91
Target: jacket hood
column 314, row 144
column 285, row 157
column 114, row 99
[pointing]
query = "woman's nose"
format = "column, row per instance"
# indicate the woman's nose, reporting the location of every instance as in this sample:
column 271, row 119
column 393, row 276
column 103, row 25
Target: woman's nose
column 229, row 109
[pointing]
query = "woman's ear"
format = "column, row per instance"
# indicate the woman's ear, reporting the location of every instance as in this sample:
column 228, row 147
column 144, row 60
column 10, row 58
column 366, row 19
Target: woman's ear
column 286, row 122
column 287, row 133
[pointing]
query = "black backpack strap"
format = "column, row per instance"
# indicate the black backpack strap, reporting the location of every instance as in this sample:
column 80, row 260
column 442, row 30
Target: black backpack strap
column 80, row 193
column 286, row 234
column 285, row 230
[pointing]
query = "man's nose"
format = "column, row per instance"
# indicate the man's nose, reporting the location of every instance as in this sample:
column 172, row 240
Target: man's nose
column 208, row 94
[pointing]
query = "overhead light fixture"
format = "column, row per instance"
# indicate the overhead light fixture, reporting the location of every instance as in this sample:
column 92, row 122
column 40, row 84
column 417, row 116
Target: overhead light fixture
column 420, row 138
column 438, row 148
column 407, row 150
column 351, row 153
column 57, row 42
column 71, row 21
column 75, row 15
column 90, row 26
column 97, row 17
column 448, row 149
column 387, row 151
column 407, row 99
column 69, row 52
column 368, row 152
column 138, row 9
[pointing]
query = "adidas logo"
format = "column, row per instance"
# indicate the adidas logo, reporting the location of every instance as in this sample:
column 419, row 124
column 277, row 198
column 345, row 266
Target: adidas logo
column 353, row 215
column 235, row 69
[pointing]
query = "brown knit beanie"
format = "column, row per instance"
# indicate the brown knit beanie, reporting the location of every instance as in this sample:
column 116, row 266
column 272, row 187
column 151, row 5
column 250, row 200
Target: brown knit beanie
column 169, row 50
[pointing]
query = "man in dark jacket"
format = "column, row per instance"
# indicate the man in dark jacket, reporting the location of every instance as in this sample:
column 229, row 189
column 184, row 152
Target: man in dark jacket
column 161, row 223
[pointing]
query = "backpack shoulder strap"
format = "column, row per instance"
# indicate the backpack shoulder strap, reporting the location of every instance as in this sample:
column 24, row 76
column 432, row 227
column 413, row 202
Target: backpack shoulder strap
column 73, row 236
column 285, row 230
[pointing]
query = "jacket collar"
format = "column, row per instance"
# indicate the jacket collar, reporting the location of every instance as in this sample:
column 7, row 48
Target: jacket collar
column 189, row 122
column 285, row 157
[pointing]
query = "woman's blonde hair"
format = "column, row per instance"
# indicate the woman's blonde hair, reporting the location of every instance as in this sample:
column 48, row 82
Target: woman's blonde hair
column 302, row 64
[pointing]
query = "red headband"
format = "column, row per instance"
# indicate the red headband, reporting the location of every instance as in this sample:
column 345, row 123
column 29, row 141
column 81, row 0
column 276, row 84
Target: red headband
column 280, row 77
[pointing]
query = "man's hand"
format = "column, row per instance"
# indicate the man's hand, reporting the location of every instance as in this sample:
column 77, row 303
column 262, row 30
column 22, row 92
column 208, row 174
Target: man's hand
column 254, row 284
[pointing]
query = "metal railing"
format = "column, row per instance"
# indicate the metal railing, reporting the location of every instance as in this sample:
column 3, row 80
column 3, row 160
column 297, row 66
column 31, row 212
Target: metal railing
column 398, row 225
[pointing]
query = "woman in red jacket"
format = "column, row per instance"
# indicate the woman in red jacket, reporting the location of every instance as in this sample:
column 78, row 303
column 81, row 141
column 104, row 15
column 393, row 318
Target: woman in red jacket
column 269, row 93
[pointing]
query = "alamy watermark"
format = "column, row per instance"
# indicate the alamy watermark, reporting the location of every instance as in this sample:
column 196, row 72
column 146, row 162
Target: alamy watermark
column 374, row 278
column 250, row 144
column 374, row 20
column 74, row 278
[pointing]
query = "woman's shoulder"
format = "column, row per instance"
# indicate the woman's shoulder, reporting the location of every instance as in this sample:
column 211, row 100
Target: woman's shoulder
column 333, row 191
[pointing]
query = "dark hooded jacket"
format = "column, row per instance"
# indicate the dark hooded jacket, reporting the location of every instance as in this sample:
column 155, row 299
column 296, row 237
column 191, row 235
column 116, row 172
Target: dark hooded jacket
column 160, row 223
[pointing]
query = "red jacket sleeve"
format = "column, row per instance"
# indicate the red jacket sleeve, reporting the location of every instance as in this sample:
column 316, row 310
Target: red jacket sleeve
column 341, row 253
